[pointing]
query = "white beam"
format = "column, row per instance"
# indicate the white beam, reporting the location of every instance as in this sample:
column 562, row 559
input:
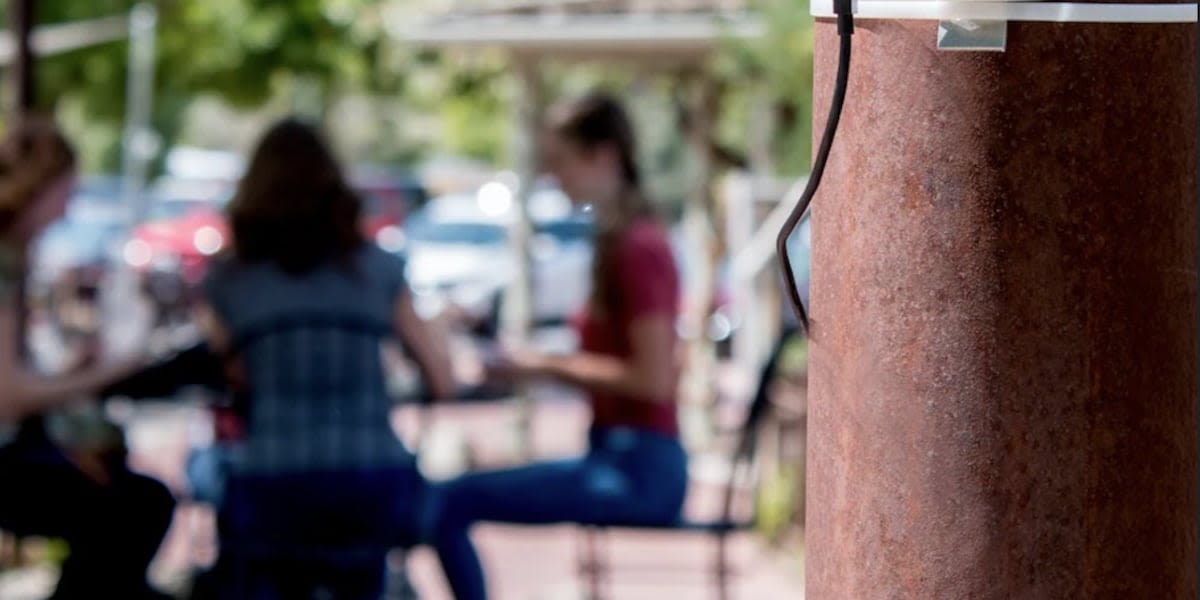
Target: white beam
column 49, row 40
column 760, row 250
column 580, row 32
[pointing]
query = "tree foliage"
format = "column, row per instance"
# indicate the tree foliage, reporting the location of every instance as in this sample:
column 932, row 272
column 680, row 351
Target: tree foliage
column 237, row 50
column 778, row 67
column 250, row 53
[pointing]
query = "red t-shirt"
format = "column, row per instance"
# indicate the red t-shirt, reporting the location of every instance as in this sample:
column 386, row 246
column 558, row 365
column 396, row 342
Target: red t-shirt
column 649, row 285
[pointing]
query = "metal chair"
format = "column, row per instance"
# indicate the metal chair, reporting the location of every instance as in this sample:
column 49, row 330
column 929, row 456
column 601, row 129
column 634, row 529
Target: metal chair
column 595, row 569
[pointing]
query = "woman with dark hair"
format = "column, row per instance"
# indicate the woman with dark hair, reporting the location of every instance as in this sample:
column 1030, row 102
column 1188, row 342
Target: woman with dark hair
column 635, row 470
column 300, row 309
column 112, row 519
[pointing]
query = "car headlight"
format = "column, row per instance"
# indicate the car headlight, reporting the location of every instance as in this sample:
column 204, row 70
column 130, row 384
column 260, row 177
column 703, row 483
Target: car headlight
column 719, row 328
column 721, row 325
column 391, row 239
column 208, row 240
column 137, row 253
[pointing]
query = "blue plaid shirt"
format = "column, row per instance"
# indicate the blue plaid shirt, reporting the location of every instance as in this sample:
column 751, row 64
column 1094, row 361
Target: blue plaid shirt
column 318, row 397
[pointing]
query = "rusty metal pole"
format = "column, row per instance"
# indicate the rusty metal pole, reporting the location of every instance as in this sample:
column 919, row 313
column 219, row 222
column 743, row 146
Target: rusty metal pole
column 21, row 82
column 1197, row 323
column 23, row 89
column 21, row 85
column 1003, row 384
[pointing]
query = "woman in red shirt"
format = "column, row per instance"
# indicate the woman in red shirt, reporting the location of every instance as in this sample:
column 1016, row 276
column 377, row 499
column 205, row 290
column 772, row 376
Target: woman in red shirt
column 635, row 471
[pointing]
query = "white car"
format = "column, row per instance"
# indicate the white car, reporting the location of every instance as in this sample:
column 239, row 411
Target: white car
column 460, row 254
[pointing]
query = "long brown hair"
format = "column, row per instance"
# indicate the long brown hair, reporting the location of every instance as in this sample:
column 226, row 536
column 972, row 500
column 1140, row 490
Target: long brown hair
column 591, row 122
column 293, row 207
column 33, row 153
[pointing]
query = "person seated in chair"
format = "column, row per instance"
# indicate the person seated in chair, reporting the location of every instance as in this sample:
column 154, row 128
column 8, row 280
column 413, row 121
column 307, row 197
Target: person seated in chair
column 112, row 518
column 298, row 310
column 635, row 470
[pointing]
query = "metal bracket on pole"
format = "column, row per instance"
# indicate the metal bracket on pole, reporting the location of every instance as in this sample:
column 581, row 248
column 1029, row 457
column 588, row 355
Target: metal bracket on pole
column 972, row 35
column 982, row 25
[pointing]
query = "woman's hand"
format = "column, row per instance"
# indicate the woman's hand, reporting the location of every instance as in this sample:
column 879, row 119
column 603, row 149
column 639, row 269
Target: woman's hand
column 123, row 366
column 515, row 365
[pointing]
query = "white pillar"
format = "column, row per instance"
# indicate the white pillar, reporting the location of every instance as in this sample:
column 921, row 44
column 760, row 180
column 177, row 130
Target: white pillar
column 740, row 219
column 140, row 142
column 517, row 315
column 698, row 385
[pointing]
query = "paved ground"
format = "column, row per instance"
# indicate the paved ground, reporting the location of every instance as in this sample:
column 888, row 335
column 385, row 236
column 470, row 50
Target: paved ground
column 523, row 563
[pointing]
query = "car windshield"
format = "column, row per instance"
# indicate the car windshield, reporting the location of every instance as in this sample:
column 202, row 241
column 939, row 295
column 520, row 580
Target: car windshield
column 421, row 229
column 166, row 210
column 386, row 199
column 572, row 230
column 87, row 209
column 381, row 202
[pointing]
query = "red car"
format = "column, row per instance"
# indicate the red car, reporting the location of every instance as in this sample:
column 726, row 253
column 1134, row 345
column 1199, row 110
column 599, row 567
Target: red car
column 184, row 226
column 387, row 201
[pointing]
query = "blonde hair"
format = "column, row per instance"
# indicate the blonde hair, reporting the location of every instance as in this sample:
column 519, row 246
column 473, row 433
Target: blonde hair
column 33, row 153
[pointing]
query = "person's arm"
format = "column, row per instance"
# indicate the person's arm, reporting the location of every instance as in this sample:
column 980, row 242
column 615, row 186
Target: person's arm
column 650, row 373
column 23, row 393
column 427, row 346
column 645, row 268
column 212, row 329
column 196, row 365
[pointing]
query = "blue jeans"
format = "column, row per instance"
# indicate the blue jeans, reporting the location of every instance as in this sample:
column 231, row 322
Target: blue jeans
column 627, row 477
column 206, row 471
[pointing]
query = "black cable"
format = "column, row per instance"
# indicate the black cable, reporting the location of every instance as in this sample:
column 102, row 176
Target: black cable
column 845, row 19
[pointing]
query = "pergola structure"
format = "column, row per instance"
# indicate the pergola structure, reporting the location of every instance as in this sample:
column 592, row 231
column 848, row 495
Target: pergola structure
column 670, row 33
column 672, row 38
column 65, row 37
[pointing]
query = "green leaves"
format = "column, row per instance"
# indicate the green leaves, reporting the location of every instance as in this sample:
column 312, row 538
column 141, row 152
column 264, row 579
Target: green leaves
column 311, row 53
column 778, row 65
column 237, row 50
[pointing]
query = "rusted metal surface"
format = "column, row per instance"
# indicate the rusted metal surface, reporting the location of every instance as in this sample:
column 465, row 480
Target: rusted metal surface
column 20, row 82
column 1004, row 289
column 20, row 75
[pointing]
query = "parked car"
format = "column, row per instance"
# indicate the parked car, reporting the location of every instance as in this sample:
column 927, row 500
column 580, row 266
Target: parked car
column 81, row 238
column 460, row 257
column 183, row 227
column 73, row 257
column 388, row 198
column 186, row 226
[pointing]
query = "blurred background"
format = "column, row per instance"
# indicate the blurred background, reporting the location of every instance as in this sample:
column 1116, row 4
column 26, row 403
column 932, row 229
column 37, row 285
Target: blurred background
column 434, row 105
